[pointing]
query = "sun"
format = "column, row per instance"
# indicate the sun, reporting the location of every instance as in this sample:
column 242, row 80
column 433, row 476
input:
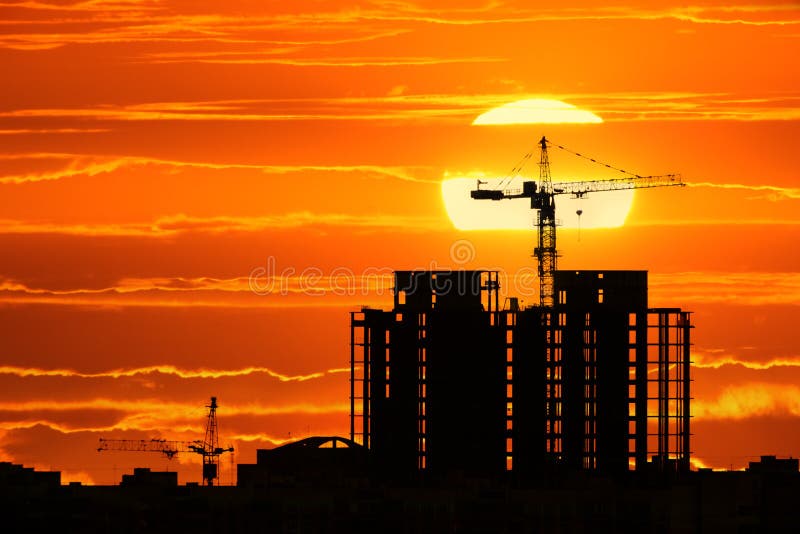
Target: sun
column 537, row 111
column 609, row 211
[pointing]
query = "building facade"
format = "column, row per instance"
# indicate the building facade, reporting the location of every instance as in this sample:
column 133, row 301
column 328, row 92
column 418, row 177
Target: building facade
column 447, row 381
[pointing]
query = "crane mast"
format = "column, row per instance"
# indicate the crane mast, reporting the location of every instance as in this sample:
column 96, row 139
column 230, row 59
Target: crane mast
column 545, row 205
column 210, row 449
column 542, row 197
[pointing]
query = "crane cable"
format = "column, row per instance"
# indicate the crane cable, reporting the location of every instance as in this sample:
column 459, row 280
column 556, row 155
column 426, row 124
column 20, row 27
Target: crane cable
column 565, row 149
column 514, row 172
column 504, row 182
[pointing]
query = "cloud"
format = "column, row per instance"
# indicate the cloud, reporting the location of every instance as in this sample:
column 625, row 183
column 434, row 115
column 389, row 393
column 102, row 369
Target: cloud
column 159, row 406
column 749, row 15
column 378, row 61
column 265, row 287
column 613, row 107
column 140, row 415
column 79, row 166
column 83, row 5
column 163, row 370
column 521, row 13
column 74, row 165
column 172, row 225
column 46, row 25
column 27, row 131
column 262, row 289
column 704, row 360
column 771, row 192
column 340, row 110
column 266, row 438
column 683, row 106
column 744, row 401
column 721, row 222
column 91, row 230
column 295, row 220
column 745, row 288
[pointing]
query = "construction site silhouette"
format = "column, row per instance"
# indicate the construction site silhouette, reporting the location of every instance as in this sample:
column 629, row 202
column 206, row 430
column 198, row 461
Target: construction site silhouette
column 467, row 417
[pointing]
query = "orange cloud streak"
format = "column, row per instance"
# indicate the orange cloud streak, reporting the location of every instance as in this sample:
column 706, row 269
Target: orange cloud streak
column 174, row 224
column 158, row 406
column 619, row 107
column 749, row 400
column 151, row 415
column 773, row 193
column 92, row 165
column 704, row 361
column 142, row 22
column 741, row 288
column 164, row 370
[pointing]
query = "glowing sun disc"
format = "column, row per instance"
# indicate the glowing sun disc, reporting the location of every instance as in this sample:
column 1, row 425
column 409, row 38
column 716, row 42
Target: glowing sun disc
column 537, row 111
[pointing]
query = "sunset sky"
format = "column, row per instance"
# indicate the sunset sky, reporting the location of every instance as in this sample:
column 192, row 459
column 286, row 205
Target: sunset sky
column 154, row 154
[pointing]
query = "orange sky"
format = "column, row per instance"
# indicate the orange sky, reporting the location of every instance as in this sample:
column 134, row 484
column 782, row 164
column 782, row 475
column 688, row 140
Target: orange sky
column 153, row 154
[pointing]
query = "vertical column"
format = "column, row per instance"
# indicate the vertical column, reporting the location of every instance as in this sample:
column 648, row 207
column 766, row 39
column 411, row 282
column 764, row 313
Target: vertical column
column 663, row 388
column 672, row 363
column 685, row 400
column 352, row 377
column 366, row 416
column 509, row 323
column 359, row 377
column 640, row 381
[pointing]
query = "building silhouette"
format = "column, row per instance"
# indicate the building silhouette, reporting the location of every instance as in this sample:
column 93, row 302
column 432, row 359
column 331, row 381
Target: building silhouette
column 16, row 475
column 448, row 382
column 317, row 460
column 143, row 477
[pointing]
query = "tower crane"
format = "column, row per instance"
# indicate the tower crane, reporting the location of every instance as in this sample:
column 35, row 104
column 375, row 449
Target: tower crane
column 542, row 197
column 208, row 447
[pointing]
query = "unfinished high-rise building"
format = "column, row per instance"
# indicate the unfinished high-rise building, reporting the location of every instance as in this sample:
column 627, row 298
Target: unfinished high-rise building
column 448, row 381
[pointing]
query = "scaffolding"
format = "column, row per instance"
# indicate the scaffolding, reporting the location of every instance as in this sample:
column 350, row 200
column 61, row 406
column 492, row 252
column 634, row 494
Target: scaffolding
column 668, row 388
